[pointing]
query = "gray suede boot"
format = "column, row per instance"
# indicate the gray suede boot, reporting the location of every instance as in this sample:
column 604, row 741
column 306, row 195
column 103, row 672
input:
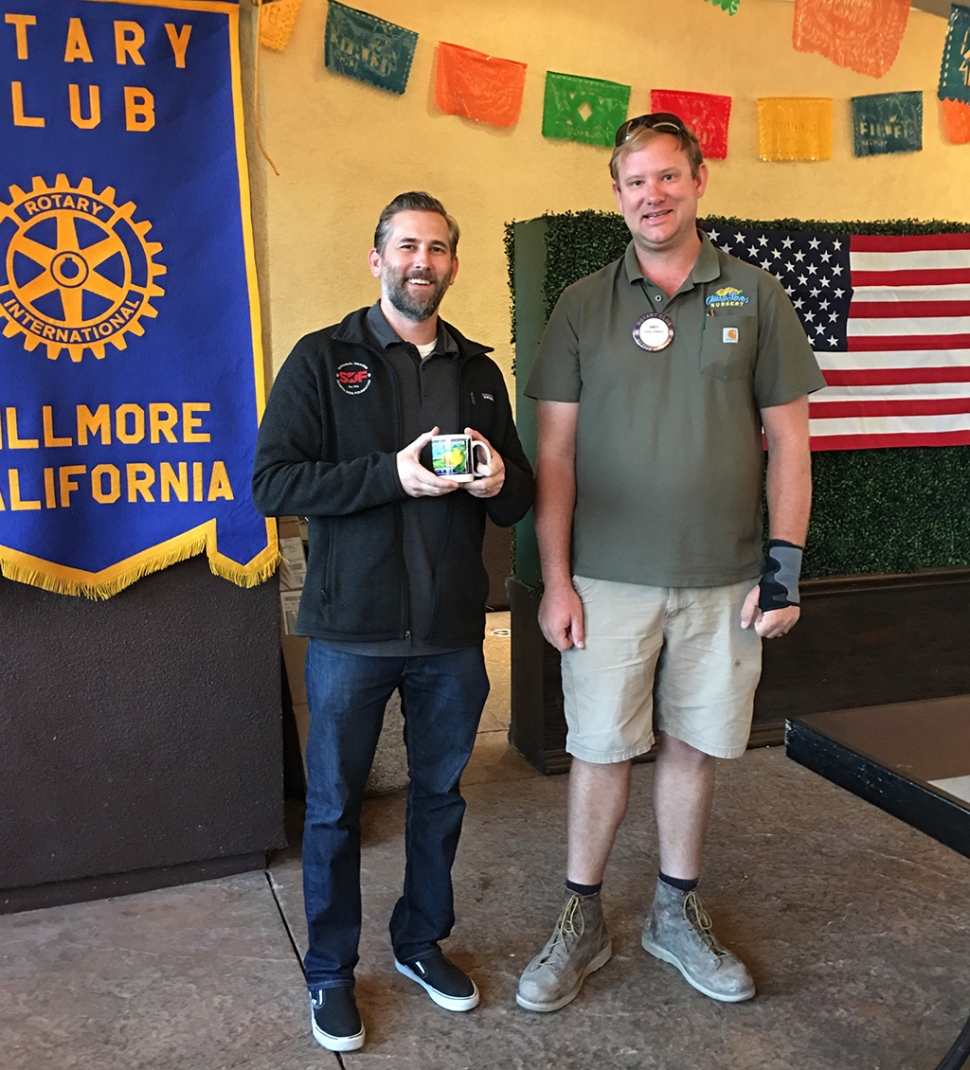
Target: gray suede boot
column 579, row 945
column 678, row 931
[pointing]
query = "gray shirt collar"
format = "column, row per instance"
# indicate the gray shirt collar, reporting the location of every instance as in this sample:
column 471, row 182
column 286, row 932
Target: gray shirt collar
column 706, row 267
column 386, row 336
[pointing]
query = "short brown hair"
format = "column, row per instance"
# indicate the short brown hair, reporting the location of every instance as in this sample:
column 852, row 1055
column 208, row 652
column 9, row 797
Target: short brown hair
column 641, row 137
column 415, row 201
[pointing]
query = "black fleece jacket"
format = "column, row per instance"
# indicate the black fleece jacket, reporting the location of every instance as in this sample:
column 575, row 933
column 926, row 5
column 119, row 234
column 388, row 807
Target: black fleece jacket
column 327, row 450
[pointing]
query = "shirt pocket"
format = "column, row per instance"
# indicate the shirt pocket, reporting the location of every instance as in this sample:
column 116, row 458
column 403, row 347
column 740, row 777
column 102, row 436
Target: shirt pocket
column 728, row 346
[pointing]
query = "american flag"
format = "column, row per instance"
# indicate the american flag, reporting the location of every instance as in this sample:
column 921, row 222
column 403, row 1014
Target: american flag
column 889, row 320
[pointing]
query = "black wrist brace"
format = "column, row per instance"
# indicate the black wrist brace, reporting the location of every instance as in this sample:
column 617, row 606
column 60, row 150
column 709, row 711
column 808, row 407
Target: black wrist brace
column 779, row 584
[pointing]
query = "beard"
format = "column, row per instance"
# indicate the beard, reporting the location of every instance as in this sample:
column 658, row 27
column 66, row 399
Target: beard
column 416, row 307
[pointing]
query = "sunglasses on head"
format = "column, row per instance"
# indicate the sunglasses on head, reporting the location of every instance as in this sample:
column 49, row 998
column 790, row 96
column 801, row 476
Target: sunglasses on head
column 664, row 121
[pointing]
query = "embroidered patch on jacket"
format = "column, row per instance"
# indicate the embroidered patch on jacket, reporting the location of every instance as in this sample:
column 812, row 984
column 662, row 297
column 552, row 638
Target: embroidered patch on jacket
column 727, row 297
column 729, row 334
column 353, row 377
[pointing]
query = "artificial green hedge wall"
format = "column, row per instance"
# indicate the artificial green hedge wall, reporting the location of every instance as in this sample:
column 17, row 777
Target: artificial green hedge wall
column 874, row 511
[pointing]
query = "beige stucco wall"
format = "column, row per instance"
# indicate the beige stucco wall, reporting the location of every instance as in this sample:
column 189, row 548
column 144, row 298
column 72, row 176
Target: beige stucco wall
column 344, row 149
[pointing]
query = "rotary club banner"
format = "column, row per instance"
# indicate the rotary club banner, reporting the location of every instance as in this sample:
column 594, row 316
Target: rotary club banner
column 130, row 357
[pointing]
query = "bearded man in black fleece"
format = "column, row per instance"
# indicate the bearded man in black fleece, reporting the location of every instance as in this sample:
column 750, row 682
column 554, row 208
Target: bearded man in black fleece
column 395, row 590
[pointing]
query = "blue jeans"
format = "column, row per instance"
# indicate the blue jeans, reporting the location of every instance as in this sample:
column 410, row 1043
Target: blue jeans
column 442, row 696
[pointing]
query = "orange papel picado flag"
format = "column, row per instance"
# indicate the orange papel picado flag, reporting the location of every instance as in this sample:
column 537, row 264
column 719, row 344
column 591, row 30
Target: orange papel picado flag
column 477, row 86
column 864, row 35
column 956, row 121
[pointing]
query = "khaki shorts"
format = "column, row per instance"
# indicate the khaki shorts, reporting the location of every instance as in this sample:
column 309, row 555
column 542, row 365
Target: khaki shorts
column 672, row 657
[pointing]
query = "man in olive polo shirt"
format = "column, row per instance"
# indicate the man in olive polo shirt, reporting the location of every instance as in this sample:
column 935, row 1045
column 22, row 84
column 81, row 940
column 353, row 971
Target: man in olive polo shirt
column 654, row 380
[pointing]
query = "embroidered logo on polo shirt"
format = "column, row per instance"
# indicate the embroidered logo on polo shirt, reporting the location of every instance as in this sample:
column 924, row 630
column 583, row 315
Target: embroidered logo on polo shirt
column 727, row 297
column 353, row 377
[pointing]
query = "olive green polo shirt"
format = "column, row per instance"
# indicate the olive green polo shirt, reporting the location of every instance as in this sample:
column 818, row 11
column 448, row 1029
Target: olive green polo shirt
column 669, row 456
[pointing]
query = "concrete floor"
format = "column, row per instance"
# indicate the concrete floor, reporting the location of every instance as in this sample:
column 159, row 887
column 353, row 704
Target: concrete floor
column 855, row 927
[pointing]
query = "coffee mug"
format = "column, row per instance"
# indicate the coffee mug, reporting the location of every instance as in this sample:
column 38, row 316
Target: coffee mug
column 453, row 457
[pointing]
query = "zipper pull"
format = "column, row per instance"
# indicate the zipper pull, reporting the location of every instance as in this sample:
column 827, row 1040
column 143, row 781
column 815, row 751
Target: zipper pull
column 471, row 394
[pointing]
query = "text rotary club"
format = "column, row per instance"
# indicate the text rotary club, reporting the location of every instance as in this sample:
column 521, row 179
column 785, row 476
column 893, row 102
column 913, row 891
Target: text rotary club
column 127, row 44
column 33, row 487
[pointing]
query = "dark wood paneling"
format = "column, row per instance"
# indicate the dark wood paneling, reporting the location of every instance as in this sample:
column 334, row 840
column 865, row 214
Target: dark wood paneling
column 867, row 641
column 39, row 896
column 139, row 733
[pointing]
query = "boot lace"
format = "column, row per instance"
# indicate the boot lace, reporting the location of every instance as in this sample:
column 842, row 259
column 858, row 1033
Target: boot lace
column 570, row 926
column 698, row 918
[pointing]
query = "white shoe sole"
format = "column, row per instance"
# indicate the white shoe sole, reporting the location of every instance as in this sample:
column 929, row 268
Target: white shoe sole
column 661, row 953
column 449, row 1003
column 336, row 1043
column 595, row 963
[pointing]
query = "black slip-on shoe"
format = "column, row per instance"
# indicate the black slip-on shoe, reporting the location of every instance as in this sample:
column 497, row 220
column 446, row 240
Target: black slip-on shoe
column 334, row 1019
column 449, row 986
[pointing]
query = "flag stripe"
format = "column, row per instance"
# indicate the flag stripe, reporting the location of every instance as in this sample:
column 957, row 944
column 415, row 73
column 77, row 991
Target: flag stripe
column 860, row 377
column 883, row 425
column 902, row 294
column 886, row 407
column 938, row 277
column 890, row 243
column 903, row 358
column 902, row 391
column 892, row 342
column 935, row 325
column 889, row 309
column 854, row 439
column 918, row 260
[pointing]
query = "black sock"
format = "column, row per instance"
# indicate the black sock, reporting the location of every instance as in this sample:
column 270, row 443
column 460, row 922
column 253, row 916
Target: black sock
column 583, row 889
column 676, row 882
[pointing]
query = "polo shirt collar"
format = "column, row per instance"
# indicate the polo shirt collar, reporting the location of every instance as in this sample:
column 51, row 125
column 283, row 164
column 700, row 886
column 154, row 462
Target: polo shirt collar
column 706, row 267
column 385, row 335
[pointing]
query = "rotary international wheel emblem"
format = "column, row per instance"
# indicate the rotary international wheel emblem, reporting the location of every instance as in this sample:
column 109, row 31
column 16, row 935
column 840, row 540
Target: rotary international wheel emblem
column 75, row 269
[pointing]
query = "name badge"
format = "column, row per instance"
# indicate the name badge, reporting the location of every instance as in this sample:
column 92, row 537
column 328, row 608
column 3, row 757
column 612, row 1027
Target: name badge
column 653, row 332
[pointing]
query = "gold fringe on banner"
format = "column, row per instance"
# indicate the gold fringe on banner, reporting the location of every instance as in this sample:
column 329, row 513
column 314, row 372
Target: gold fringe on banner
column 59, row 579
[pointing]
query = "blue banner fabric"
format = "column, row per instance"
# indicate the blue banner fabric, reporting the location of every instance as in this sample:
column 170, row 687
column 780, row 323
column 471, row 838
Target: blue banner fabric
column 130, row 363
column 367, row 48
